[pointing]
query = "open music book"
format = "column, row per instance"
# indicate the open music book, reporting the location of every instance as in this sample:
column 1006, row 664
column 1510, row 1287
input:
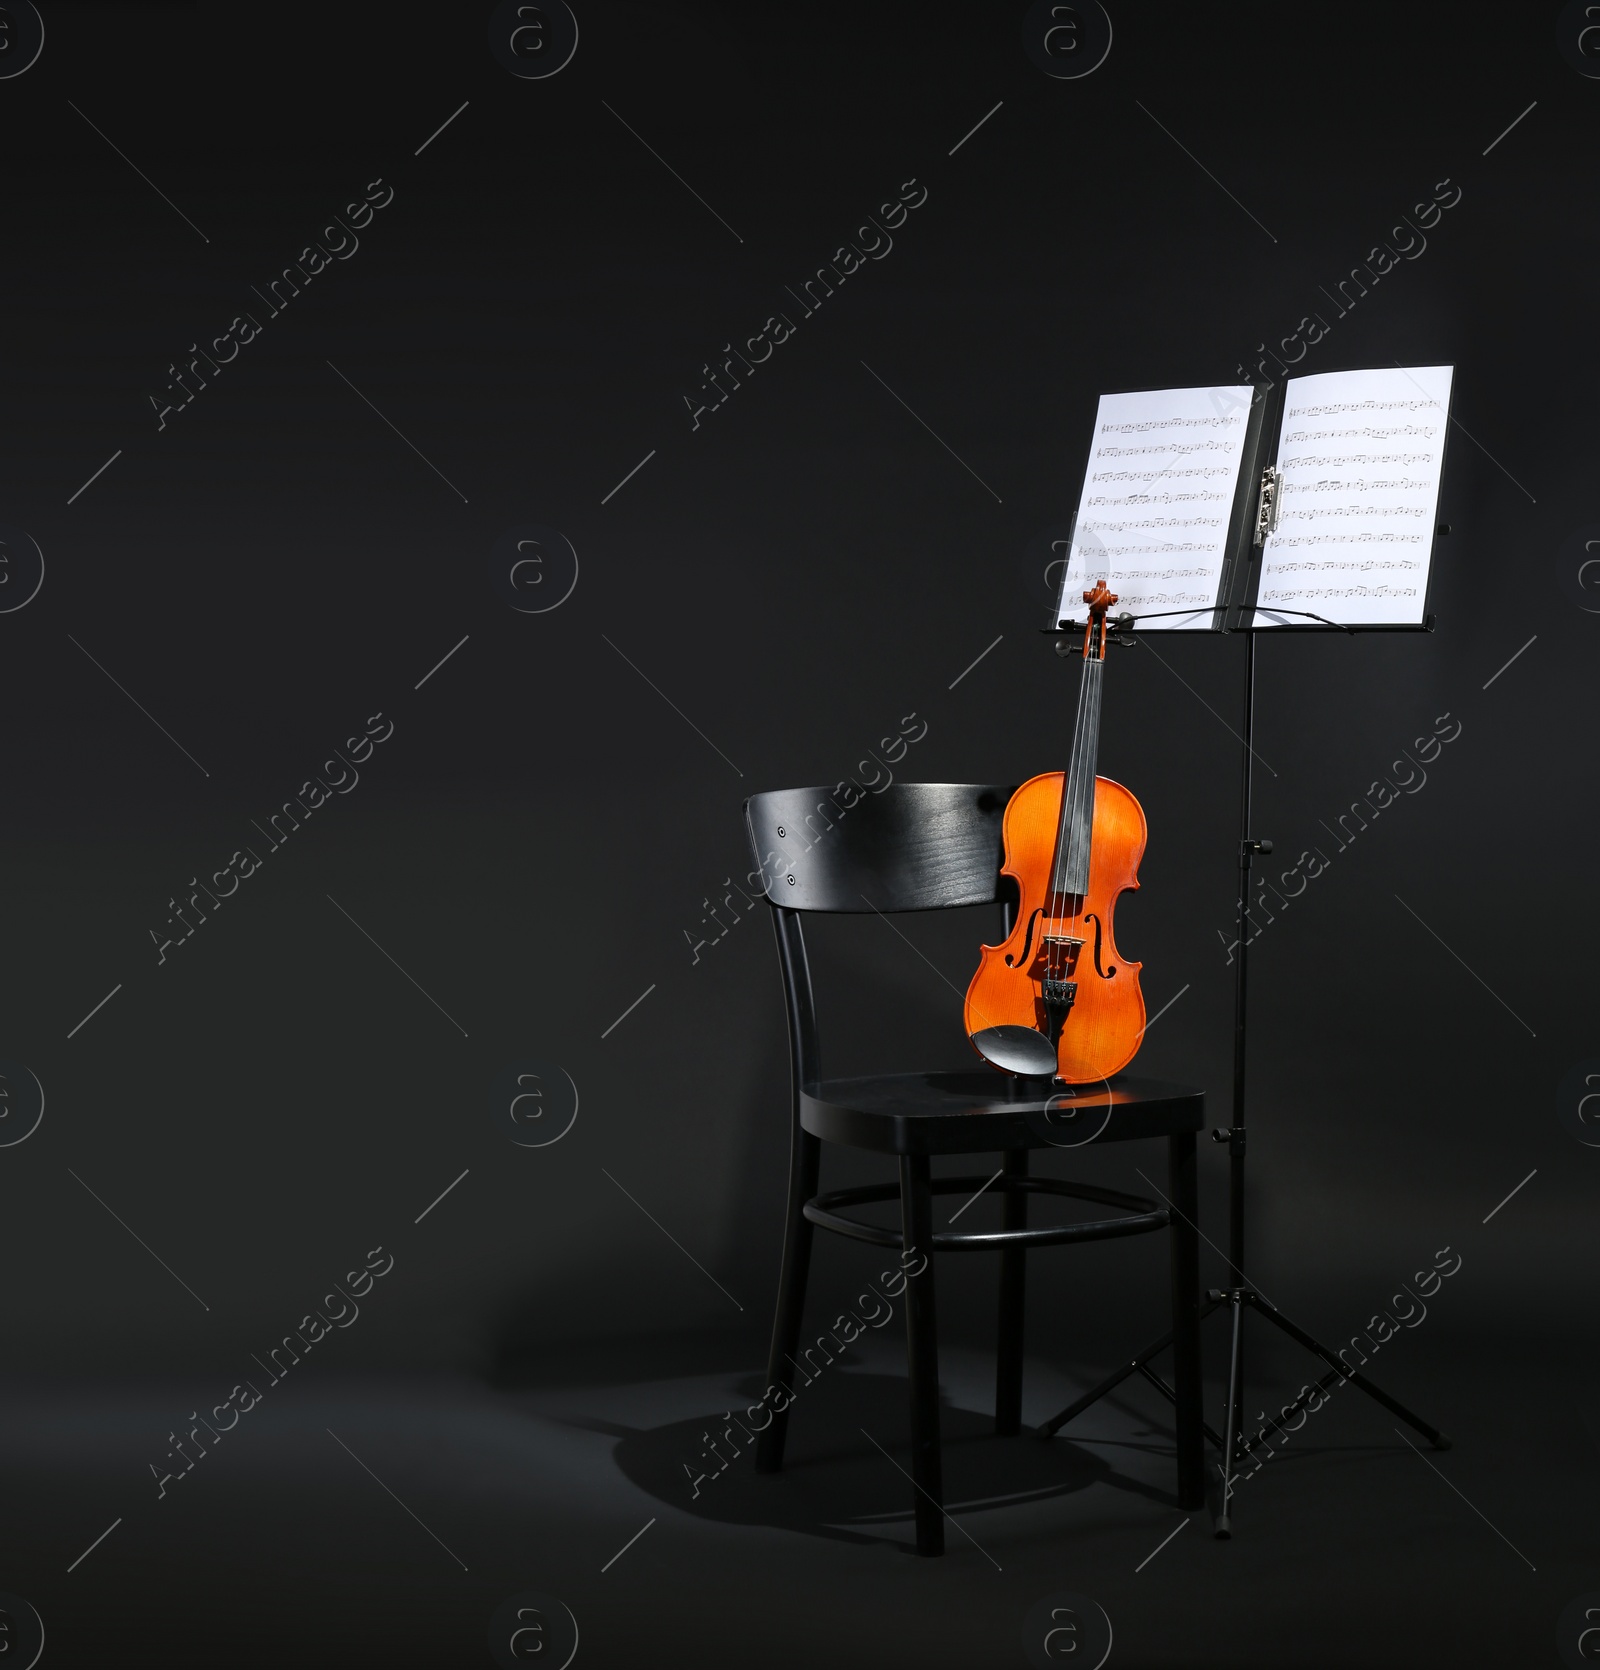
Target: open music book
column 1188, row 522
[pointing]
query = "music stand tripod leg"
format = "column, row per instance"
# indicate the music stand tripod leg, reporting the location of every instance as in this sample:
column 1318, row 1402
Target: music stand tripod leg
column 1224, row 1527
column 1051, row 1427
column 1376, row 1393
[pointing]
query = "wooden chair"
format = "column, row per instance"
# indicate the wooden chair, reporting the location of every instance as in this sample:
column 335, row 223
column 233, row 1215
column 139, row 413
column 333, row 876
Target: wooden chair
column 936, row 846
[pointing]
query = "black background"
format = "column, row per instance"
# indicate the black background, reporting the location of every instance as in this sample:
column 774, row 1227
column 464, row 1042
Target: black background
column 536, row 843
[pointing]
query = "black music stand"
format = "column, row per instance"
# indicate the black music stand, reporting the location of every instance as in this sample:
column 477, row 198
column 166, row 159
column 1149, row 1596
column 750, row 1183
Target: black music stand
column 1255, row 513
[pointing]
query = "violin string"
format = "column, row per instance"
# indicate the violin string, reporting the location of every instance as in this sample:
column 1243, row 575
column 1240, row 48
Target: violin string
column 1063, row 827
column 1091, row 748
column 1084, row 797
column 1067, row 821
column 1075, row 790
column 1086, row 780
column 1063, row 817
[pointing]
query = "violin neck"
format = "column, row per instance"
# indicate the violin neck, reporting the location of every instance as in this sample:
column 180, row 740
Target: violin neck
column 1077, row 801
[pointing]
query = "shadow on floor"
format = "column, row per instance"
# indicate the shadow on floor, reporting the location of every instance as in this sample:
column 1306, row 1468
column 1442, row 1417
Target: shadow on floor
column 838, row 1484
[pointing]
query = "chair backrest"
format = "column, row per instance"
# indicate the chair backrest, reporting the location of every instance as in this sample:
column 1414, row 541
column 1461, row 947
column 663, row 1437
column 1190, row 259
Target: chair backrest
column 911, row 846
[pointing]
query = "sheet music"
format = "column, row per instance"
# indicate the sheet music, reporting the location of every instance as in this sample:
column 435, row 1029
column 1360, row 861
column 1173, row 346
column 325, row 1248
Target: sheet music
column 1157, row 497
column 1361, row 454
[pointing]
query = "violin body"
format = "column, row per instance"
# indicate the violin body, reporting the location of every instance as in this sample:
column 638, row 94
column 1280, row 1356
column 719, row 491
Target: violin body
column 1068, row 935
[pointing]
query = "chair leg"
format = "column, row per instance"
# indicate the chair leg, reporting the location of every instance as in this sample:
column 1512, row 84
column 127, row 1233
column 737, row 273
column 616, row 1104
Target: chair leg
column 922, row 1351
column 1187, row 1381
column 804, row 1160
column 1013, row 1275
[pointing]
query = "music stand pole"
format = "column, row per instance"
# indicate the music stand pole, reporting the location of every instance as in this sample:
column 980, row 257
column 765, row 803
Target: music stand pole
column 1234, row 1136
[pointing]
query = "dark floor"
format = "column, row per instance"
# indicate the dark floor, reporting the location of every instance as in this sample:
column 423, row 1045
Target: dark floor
column 1349, row 1547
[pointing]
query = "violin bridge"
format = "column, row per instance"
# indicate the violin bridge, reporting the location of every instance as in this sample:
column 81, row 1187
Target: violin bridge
column 1057, row 963
column 1057, row 957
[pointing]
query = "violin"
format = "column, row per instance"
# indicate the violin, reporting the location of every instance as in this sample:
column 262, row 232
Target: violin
column 1056, row 997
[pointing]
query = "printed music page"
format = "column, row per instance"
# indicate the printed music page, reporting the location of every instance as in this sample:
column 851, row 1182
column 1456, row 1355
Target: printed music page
column 1361, row 454
column 1157, row 498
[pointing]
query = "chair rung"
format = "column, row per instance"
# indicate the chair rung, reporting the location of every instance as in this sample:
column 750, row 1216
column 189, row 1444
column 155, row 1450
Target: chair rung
column 1142, row 1216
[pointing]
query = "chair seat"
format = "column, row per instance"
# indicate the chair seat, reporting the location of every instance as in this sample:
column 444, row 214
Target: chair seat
column 985, row 1111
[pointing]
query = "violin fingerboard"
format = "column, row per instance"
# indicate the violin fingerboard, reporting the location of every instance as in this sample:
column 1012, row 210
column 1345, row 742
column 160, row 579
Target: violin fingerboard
column 1073, row 874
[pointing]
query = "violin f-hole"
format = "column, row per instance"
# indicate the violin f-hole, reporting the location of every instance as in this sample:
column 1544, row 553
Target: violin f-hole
column 1104, row 973
column 1027, row 939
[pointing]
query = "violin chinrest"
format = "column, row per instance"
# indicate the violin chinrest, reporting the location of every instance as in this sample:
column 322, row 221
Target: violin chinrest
column 1016, row 1049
